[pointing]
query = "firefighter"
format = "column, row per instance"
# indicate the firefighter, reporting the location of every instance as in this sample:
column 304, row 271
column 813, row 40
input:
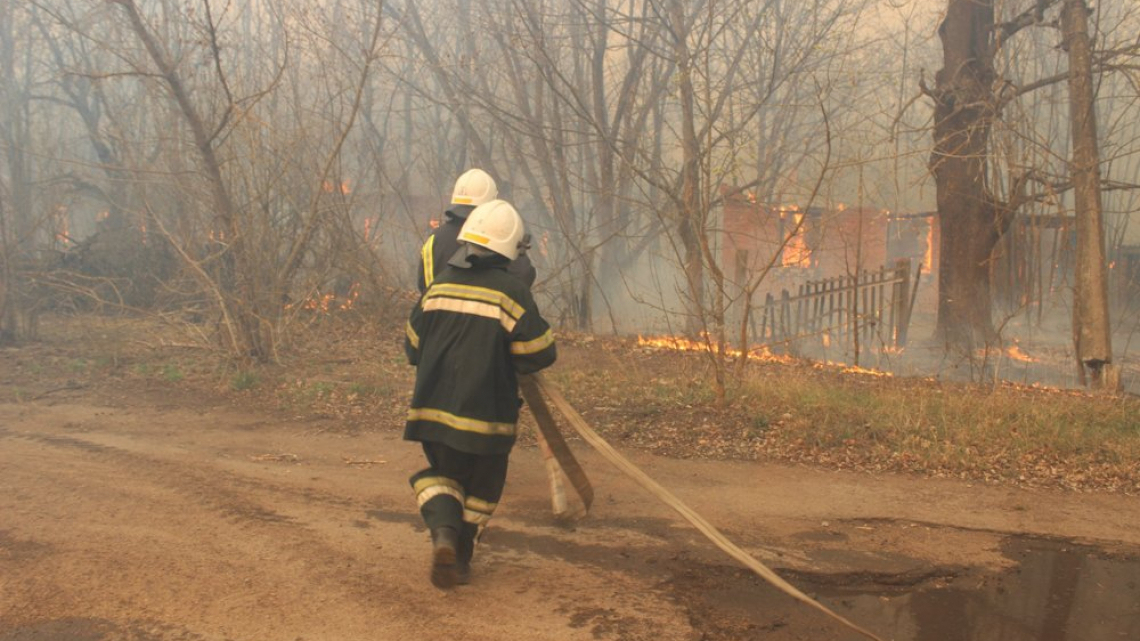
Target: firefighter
column 474, row 331
column 475, row 187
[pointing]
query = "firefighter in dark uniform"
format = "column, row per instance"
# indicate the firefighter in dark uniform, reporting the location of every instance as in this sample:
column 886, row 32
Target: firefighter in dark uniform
column 472, row 189
column 474, row 331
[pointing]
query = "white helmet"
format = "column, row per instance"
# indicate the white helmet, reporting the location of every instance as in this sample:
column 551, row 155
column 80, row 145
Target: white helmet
column 474, row 187
column 495, row 226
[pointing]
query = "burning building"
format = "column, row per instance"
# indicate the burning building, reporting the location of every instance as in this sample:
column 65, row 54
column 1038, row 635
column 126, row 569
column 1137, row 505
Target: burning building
column 806, row 243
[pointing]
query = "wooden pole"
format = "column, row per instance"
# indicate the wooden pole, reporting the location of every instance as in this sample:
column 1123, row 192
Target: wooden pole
column 559, row 459
column 1091, row 326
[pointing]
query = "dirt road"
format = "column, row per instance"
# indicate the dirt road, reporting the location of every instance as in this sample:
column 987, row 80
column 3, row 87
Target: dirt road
column 145, row 517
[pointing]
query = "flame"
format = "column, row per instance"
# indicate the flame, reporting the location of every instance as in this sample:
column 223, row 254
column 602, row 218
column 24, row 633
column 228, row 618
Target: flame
column 373, row 232
column 796, row 252
column 434, row 223
column 353, row 295
column 63, row 229
column 708, row 344
column 928, row 256
column 1015, row 352
column 855, row 369
column 679, row 343
column 328, row 303
column 343, row 188
column 760, row 353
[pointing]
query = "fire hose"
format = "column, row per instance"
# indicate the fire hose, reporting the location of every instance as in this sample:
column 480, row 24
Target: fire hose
column 551, row 441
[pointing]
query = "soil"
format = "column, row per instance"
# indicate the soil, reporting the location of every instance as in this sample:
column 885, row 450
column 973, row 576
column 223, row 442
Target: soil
column 135, row 508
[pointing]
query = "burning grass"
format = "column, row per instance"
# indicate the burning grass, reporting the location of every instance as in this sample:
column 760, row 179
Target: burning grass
column 350, row 370
column 847, row 418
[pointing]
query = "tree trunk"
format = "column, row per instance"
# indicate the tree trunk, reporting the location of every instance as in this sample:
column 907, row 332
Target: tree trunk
column 17, row 224
column 971, row 222
column 8, row 319
column 690, row 220
column 1090, row 305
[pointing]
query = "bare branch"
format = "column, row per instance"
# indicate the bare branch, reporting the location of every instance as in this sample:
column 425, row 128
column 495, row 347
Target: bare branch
column 1034, row 15
column 216, row 55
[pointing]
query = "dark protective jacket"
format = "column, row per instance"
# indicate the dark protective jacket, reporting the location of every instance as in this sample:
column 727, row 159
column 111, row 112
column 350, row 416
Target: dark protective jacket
column 444, row 242
column 472, row 333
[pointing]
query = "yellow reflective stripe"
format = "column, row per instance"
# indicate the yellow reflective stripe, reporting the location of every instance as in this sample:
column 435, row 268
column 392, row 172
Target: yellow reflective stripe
column 476, row 518
column 534, row 346
column 412, row 335
column 483, row 294
column 461, row 423
column 427, row 255
column 479, row 505
column 431, row 481
column 472, row 307
column 478, row 511
column 438, row 490
column 429, row 487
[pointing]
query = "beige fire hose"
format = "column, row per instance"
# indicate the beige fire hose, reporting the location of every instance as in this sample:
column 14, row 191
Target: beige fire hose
column 706, row 528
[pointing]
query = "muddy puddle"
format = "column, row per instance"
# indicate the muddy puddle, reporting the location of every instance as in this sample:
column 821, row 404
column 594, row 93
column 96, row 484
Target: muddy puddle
column 1055, row 591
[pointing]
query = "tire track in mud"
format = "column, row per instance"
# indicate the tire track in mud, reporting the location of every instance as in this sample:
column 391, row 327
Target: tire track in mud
column 326, row 568
column 207, row 487
column 226, row 494
column 631, row 551
column 92, row 629
column 641, row 555
column 538, row 534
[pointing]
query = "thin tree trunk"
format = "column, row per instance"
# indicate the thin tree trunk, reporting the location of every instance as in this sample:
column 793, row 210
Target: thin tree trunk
column 18, row 229
column 1090, row 306
column 690, row 218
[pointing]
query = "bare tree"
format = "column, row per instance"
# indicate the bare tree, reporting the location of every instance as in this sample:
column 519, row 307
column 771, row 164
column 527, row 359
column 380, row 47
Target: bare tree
column 259, row 244
column 977, row 203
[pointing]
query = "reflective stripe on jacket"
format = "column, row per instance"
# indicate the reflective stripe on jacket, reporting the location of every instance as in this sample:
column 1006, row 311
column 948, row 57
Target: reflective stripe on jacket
column 471, row 334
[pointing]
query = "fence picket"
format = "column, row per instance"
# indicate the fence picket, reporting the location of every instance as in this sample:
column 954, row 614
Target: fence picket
column 859, row 311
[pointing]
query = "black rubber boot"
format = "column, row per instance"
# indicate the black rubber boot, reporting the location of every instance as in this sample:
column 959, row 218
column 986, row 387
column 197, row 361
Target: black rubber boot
column 444, row 541
column 464, row 551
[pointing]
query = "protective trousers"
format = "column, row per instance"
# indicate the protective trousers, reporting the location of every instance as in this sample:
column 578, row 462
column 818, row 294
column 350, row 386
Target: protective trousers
column 459, row 490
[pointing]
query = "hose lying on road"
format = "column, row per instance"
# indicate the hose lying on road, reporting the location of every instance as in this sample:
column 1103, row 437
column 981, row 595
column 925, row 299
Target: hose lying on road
column 706, row 528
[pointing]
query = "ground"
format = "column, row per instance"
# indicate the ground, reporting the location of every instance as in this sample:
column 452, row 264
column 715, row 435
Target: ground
column 133, row 507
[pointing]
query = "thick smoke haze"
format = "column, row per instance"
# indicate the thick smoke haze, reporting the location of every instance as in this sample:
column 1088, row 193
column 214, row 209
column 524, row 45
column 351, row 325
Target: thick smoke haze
column 687, row 168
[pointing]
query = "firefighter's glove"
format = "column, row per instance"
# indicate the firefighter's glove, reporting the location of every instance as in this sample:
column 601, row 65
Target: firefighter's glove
column 524, row 244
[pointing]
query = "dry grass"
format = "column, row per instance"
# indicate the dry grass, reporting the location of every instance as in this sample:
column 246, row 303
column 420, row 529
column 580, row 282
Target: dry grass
column 351, row 369
column 821, row 415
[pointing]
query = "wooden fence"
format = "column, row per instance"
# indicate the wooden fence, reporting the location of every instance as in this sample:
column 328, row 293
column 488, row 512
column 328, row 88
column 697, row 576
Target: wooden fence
column 858, row 312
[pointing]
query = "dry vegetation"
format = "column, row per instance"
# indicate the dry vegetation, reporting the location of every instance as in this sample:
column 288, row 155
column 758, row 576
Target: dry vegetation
column 351, row 370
